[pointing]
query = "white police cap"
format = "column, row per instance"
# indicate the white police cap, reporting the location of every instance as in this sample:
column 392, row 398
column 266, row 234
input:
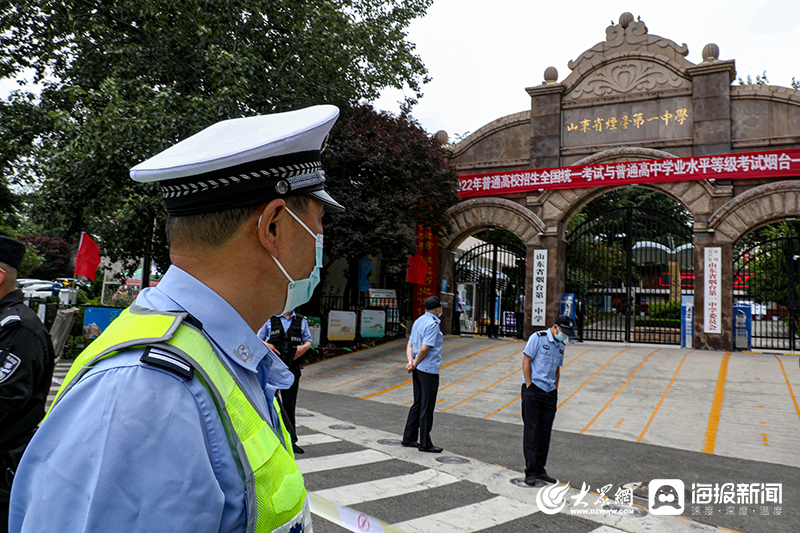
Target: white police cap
column 244, row 161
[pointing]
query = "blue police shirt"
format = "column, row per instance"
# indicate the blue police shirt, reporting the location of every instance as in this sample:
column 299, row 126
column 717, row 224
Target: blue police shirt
column 266, row 329
column 425, row 331
column 547, row 354
column 134, row 447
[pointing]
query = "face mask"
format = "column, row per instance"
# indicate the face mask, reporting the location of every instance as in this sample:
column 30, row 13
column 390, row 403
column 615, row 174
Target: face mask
column 562, row 336
column 300, row 291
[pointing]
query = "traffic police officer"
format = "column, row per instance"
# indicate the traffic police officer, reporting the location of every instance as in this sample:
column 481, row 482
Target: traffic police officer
column 27, row 359
column 288, row 334
column 542, row 359
column 168, row 421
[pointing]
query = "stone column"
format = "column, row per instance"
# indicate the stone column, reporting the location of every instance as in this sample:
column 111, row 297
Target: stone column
column 711, row 105
column 546, row 122
column 713, row 341
column 556, row 272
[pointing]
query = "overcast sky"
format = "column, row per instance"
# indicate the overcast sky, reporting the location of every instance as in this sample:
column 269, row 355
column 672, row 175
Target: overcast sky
column 483, row 54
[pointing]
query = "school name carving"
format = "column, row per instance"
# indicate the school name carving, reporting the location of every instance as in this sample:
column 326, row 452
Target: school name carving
column 771, row 164
column 637, row 120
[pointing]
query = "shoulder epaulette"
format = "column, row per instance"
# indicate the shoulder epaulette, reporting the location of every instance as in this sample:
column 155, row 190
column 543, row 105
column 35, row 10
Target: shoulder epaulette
column 168, row 361
column 9, row 319
column 542, row 333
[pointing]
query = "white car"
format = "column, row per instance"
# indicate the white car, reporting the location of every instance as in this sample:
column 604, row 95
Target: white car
column 24, row 282
column 38, row 290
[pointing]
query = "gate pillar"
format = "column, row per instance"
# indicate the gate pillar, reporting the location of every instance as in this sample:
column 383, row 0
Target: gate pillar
column 447, row 268
column 553, row 242
column 713, row 341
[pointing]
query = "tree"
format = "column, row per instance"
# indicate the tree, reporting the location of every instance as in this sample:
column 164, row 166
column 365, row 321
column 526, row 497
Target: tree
column 56, row 257
column 125, row 79
column 391, row 176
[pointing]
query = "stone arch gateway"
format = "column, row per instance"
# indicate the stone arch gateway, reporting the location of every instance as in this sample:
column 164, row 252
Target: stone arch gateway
column 634, row 111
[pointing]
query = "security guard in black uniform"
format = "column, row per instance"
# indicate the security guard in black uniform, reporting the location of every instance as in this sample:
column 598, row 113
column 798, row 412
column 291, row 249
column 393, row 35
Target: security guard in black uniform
column 27, row 360
column 291, row 345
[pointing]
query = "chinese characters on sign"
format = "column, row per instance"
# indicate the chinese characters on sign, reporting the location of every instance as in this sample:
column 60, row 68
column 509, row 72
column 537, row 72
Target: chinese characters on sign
column 539, row 299
column 713, row 301
column 775, row 164
column 737, row 499
column 428, row 248
column 636, row 120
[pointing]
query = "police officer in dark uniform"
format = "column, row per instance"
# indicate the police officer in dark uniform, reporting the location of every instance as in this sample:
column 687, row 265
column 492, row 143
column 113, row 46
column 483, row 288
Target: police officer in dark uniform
column 289, row 336
column 27, row 359
column 542, row 359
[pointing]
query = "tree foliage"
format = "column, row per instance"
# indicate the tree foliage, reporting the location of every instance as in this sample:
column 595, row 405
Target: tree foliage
column 123, row 80
column 765, row 255
column 56, row 257
column 390, row 175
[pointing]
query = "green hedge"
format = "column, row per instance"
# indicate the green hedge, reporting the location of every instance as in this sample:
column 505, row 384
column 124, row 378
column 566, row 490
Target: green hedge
column 658, row 322
column 665, row 310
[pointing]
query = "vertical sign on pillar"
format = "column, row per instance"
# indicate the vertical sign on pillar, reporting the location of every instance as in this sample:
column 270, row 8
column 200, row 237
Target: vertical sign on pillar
column 539, row 289
column 712, row 317
column 428, row 248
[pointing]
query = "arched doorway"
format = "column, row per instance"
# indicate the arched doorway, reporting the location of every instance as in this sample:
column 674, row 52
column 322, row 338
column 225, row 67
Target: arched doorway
column 489, row 278
column 631, row 265
column 766, row 288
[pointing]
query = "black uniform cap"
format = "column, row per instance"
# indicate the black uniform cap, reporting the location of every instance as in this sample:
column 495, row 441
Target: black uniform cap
column 11, row 251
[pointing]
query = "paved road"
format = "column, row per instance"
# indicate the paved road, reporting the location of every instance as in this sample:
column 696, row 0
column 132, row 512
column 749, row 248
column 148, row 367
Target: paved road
column 627, row 415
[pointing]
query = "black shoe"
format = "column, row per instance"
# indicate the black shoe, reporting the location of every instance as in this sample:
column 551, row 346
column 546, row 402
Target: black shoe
column 410, row 444
column 530, row 480
column 431, row 449
column 297, row 449
column 546, row 478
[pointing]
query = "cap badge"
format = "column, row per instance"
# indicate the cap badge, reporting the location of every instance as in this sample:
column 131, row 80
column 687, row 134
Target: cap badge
column 282, row 187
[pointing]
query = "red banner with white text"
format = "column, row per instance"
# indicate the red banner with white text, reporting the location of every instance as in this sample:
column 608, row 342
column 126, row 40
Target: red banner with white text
column 428, row 248
column 772, row 164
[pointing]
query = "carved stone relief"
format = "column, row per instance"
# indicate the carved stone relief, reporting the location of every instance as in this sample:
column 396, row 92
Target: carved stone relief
column 625, row 77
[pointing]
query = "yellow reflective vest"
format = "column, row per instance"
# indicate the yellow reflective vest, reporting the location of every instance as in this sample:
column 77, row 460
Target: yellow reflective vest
column 274, row 484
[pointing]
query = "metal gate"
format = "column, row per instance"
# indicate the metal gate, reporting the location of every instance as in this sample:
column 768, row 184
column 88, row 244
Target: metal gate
column 490, row 276
column 631, row 266
column 767, row 280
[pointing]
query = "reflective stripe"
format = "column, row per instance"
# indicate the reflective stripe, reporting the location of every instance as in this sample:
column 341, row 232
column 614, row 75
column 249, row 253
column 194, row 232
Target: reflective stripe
column 276, row 495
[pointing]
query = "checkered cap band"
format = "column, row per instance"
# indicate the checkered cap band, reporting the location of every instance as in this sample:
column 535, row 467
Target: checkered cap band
column 246, row 184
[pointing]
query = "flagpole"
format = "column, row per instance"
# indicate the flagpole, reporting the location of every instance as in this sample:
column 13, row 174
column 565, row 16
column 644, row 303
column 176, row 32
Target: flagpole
column 80, row 243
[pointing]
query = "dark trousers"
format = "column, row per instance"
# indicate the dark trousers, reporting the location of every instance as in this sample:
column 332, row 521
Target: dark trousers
column 538, row 413
column 519, row 318
column 289, row 401
column 457, row 323
column 579, row 328
column 420, row 416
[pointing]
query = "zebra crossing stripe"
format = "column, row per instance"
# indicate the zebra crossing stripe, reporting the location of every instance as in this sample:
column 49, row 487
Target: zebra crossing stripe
column 475, row 517
column 387, row 488
column 347, row 517
column 315, row 438
column 341, row 460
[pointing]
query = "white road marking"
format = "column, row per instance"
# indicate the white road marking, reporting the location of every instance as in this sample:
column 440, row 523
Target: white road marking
column 387, row 488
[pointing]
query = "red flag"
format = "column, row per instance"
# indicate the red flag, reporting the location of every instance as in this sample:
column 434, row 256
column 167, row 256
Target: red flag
column 88, row 258
column 417, row 269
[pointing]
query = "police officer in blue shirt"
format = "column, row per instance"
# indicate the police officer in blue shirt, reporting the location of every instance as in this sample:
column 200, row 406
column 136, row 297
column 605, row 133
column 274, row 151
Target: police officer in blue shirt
column 542, row 359
column 143, row 439
column 424, row 353
column 289, row 336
